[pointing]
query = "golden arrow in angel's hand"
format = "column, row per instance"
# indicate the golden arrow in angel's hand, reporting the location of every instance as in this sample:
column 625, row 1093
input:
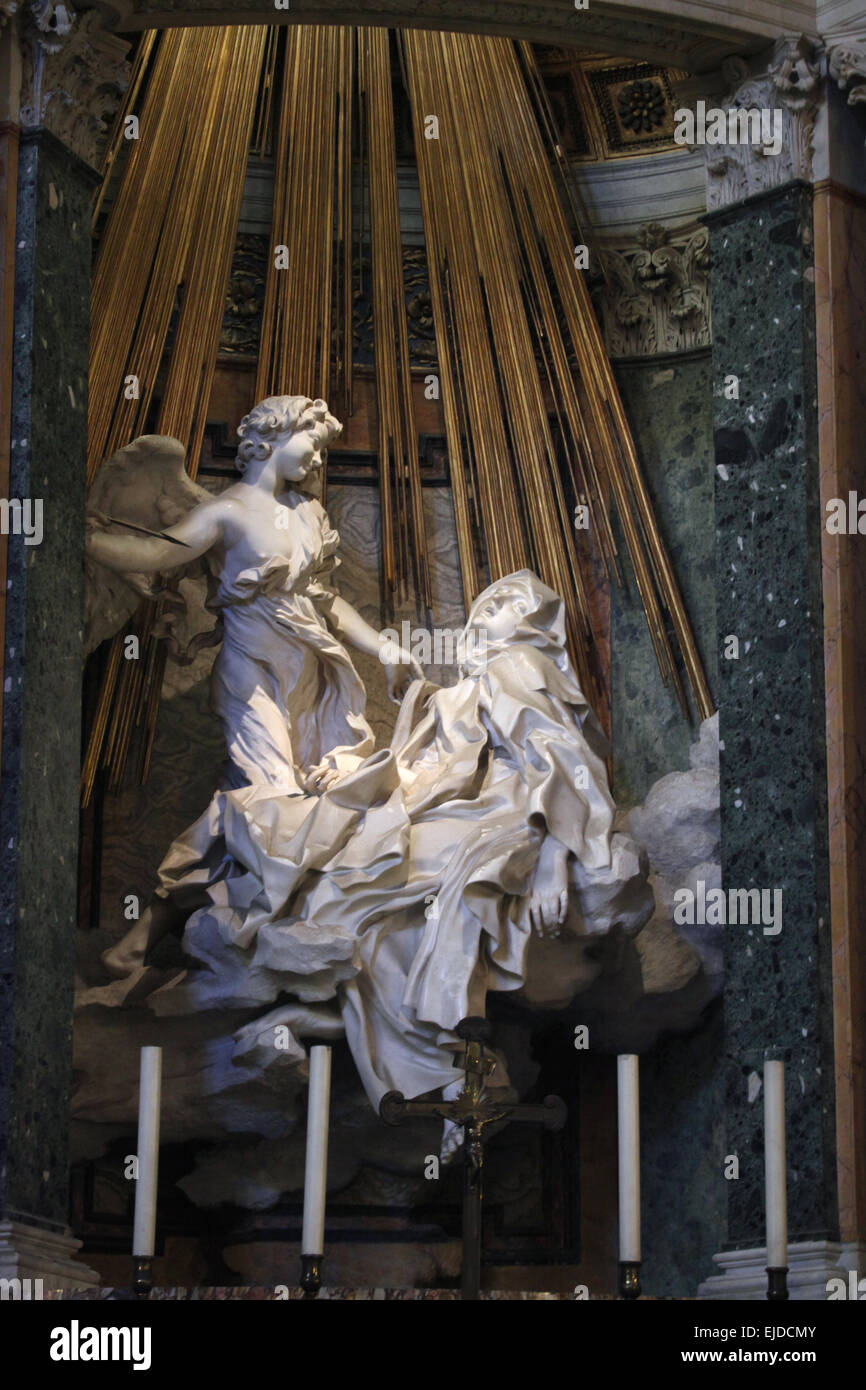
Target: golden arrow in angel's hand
column 160, row 535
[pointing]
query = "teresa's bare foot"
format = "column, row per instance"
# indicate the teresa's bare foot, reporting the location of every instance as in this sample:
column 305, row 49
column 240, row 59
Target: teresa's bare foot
column 124, row 958
column 134, row 988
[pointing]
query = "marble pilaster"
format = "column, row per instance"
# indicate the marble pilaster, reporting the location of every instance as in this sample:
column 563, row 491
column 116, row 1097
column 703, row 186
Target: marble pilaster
column 773, row 772
column 43, row 629
column 840, row 291
column 840, row 266
column 42, row 670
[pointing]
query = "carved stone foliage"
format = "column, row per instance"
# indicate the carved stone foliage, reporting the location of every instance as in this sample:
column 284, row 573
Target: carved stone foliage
column 73, row 76
column 242, row 321
column 419, row 312
column 245, row 296
column 846, row 64
column 654, row 296
column 791, row 85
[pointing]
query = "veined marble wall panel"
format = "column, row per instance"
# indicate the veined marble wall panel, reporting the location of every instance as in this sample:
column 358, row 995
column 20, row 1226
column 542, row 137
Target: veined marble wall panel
column 669, row 405
column 355, row 513
column 682, row 1136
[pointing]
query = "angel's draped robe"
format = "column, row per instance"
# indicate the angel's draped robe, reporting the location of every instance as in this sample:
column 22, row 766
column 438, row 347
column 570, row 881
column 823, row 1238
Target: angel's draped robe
column 284, row 687
column 398, row 894
column 285, row 690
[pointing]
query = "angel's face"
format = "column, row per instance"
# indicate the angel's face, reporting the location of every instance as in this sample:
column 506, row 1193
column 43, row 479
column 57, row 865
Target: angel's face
column 298, row 454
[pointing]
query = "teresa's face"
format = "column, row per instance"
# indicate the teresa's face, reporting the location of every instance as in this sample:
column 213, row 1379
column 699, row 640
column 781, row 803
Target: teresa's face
column 299, row 454
column 500, row 615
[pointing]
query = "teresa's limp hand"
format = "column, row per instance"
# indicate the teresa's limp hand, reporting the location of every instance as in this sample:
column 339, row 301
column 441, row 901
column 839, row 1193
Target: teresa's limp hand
column 545, row 907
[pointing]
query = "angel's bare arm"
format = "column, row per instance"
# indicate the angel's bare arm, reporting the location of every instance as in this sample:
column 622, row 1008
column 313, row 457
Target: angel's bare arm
column 348, row 624
column 201, row 528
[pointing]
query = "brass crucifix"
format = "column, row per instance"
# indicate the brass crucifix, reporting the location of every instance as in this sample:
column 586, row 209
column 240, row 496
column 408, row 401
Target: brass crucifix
column 474, row 1114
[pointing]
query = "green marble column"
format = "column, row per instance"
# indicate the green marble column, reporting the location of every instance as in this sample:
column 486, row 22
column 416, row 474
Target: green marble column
column 773, row 769
column 41, row 732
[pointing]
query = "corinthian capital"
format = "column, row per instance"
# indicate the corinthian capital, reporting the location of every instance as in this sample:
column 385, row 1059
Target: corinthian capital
column 73, row 75
column 846, row 63
column 787, row 93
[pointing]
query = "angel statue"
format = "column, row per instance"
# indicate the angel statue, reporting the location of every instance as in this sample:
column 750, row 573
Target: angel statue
column 290, row 700
column 476, row 850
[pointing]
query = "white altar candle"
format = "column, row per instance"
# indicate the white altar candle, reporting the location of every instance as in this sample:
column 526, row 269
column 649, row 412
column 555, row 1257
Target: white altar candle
column 628, row 1107
column 316, row 1170
column 775, row 1165
column 149, row 1094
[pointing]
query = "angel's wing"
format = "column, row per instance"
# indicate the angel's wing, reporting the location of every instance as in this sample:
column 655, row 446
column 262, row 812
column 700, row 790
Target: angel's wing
column 146, row 484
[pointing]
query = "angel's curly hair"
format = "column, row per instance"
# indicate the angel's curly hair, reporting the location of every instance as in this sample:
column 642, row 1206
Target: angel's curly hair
column 277, row 416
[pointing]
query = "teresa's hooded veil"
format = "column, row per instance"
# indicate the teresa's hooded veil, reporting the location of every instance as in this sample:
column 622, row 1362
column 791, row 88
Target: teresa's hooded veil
column 398, row 897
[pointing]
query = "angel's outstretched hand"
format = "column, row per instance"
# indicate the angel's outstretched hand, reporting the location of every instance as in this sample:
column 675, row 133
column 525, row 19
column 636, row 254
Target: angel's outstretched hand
column 96, row 525
column 400, row 674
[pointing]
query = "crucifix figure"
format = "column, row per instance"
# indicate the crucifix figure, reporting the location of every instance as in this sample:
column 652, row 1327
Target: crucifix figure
column 473, row 1112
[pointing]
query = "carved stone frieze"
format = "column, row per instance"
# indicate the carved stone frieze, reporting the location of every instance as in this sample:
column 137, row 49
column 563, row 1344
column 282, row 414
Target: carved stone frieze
column 789, row 90
column 654, row 296
column 73, row 75
column 245, row 295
